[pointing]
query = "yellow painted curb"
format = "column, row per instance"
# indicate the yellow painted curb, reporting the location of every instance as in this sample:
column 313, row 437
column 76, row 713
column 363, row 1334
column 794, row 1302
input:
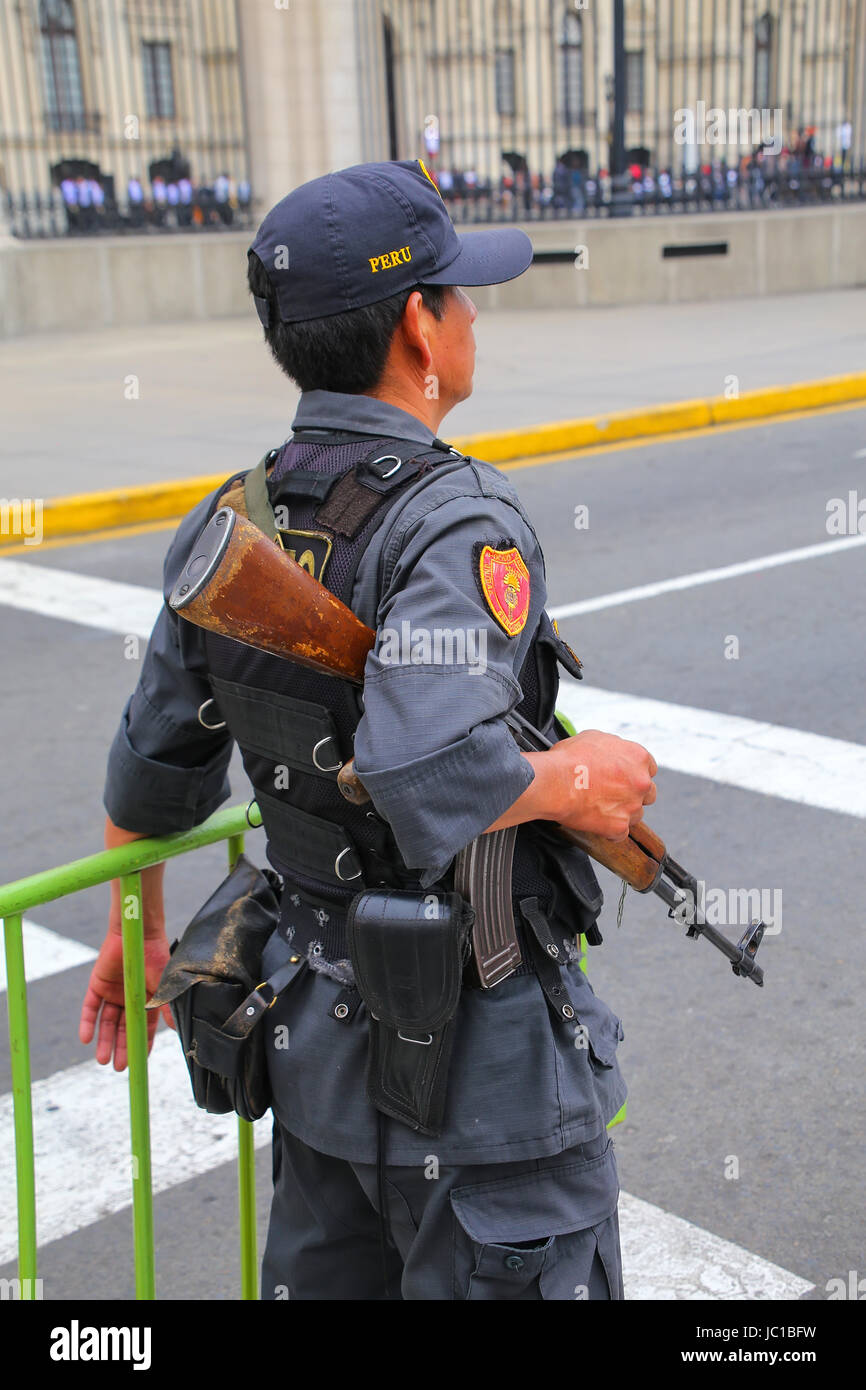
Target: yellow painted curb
column 102, row 511
column 504, row 446
column 120, row 507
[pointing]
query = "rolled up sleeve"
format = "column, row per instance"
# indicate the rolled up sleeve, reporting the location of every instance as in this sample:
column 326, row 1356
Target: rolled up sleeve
column 165, row 771
column 432, row 747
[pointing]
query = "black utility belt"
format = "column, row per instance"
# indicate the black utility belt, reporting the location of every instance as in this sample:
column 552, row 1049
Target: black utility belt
column 405, row 954
column 316, row 929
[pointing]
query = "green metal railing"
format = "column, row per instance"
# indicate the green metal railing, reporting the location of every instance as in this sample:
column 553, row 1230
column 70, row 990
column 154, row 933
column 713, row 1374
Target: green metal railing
column 126, row 864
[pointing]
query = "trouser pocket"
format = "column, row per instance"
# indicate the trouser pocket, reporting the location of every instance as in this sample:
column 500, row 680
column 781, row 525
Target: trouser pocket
column 550, row 1233
column 585, row 1265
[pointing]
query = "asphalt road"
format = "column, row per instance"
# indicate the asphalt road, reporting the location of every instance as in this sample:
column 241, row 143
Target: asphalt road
column 85, row 411
column 717, row 1069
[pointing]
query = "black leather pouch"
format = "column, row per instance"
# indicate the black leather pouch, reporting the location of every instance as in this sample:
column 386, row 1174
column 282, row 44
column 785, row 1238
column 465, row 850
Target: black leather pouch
column 212, row 984
column 408, row 951
column 577, row 896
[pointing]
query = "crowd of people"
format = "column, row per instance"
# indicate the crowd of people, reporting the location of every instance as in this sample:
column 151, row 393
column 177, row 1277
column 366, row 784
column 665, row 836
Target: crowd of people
column 91, row 206
column 761, row 177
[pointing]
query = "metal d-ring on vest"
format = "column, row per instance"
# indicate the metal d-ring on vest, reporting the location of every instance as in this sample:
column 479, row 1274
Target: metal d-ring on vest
column 385, row 458
column 201, row 721
column 334, row 767
column 346, row 878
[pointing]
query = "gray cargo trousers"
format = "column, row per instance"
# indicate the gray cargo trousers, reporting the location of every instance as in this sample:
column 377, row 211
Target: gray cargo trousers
column 543, row 1228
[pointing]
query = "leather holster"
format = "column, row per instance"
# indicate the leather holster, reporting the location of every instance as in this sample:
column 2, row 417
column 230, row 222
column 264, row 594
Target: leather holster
column 408, row 951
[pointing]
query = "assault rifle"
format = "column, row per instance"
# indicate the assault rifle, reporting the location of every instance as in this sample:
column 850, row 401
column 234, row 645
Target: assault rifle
column 240, row 584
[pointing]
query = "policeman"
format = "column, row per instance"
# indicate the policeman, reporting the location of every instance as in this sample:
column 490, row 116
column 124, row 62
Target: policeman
column 357, row 279
column 69, row 191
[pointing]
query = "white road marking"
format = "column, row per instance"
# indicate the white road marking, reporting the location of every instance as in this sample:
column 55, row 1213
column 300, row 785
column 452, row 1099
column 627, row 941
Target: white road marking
column 817, row 771
column 79, row 598
column 132, row 609
column 769, row 758
column 691, row 581
column 81, row 1125
column 47, row 953
column 666, row 1257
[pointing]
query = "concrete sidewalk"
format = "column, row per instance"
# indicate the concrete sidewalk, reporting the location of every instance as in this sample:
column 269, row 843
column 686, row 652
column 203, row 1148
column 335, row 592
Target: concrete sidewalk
column 85, row 412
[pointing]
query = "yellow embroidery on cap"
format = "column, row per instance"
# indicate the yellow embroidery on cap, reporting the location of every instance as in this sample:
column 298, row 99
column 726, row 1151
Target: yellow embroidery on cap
column 388, row 259
column 425, row 170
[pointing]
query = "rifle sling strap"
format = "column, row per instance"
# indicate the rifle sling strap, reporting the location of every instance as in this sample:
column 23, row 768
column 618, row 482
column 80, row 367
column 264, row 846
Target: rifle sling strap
column 348, row 502
column 258, row 503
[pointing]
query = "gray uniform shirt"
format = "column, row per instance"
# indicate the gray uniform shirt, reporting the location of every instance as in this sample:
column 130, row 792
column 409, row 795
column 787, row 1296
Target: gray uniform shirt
column 441, row 765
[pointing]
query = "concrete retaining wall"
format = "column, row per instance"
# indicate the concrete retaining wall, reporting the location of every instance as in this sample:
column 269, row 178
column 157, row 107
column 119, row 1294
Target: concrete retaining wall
column 767, row 253
column 124, row 281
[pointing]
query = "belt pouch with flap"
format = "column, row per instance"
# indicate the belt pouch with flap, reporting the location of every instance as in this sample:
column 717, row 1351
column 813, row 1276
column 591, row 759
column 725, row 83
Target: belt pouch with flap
column 408, row 951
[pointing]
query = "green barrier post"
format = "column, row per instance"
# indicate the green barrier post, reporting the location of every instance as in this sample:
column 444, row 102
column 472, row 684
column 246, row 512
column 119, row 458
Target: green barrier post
column 126, row 864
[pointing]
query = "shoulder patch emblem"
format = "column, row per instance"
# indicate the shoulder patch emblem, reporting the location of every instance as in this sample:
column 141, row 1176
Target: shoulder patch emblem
column 504, row 582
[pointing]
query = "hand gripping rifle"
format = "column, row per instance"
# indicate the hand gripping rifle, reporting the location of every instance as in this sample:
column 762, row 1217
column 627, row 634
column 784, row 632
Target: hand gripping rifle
column 240, row 584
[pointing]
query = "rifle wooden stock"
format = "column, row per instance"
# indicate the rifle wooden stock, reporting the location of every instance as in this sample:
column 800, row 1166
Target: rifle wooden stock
column 241, row 585
column 638, row 859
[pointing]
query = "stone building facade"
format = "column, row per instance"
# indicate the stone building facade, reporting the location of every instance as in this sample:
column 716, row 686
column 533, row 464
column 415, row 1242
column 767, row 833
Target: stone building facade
column 272, row 92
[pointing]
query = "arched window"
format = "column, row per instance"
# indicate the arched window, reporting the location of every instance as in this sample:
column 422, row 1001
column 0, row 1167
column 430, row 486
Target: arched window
column 764, row 61
column 506, row 102
column 571, row 69
column 61, row 68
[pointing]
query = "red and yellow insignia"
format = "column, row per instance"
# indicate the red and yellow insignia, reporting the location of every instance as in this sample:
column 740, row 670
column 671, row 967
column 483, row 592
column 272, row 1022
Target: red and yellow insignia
column 504, row 581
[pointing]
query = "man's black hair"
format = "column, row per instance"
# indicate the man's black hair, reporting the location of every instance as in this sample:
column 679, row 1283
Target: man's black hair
column 343, row 352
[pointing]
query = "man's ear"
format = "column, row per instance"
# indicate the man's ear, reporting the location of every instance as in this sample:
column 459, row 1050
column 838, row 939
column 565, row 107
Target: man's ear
column 414, row 325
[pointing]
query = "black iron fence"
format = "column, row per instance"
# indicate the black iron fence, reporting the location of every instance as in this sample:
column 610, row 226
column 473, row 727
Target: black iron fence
column 121, row 115
column 718, row 187
column 547, row 108
column 129, row 114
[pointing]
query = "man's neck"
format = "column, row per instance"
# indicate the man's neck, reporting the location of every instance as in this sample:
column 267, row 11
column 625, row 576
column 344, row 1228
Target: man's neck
column 430, row 412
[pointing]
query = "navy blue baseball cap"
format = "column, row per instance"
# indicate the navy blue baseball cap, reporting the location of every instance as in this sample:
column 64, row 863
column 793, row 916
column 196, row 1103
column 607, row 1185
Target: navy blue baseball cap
column 362, row 234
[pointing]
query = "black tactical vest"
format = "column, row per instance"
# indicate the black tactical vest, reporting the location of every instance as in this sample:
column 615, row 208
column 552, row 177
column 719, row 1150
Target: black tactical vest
column 330, row 491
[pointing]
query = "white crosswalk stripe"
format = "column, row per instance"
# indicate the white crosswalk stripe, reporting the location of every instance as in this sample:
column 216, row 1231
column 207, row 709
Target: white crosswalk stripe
column 47, row 953
column 714, row 576
column 828, row 773
column 132, row 609
column 809, row 768
column 81, row 1125
column 80, row 1120
column 79, row 598
column 669, row 1258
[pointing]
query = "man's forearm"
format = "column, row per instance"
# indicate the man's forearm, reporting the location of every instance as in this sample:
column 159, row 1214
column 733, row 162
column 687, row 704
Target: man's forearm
column 151, row 884
column 534, row 801
column 593, row 782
